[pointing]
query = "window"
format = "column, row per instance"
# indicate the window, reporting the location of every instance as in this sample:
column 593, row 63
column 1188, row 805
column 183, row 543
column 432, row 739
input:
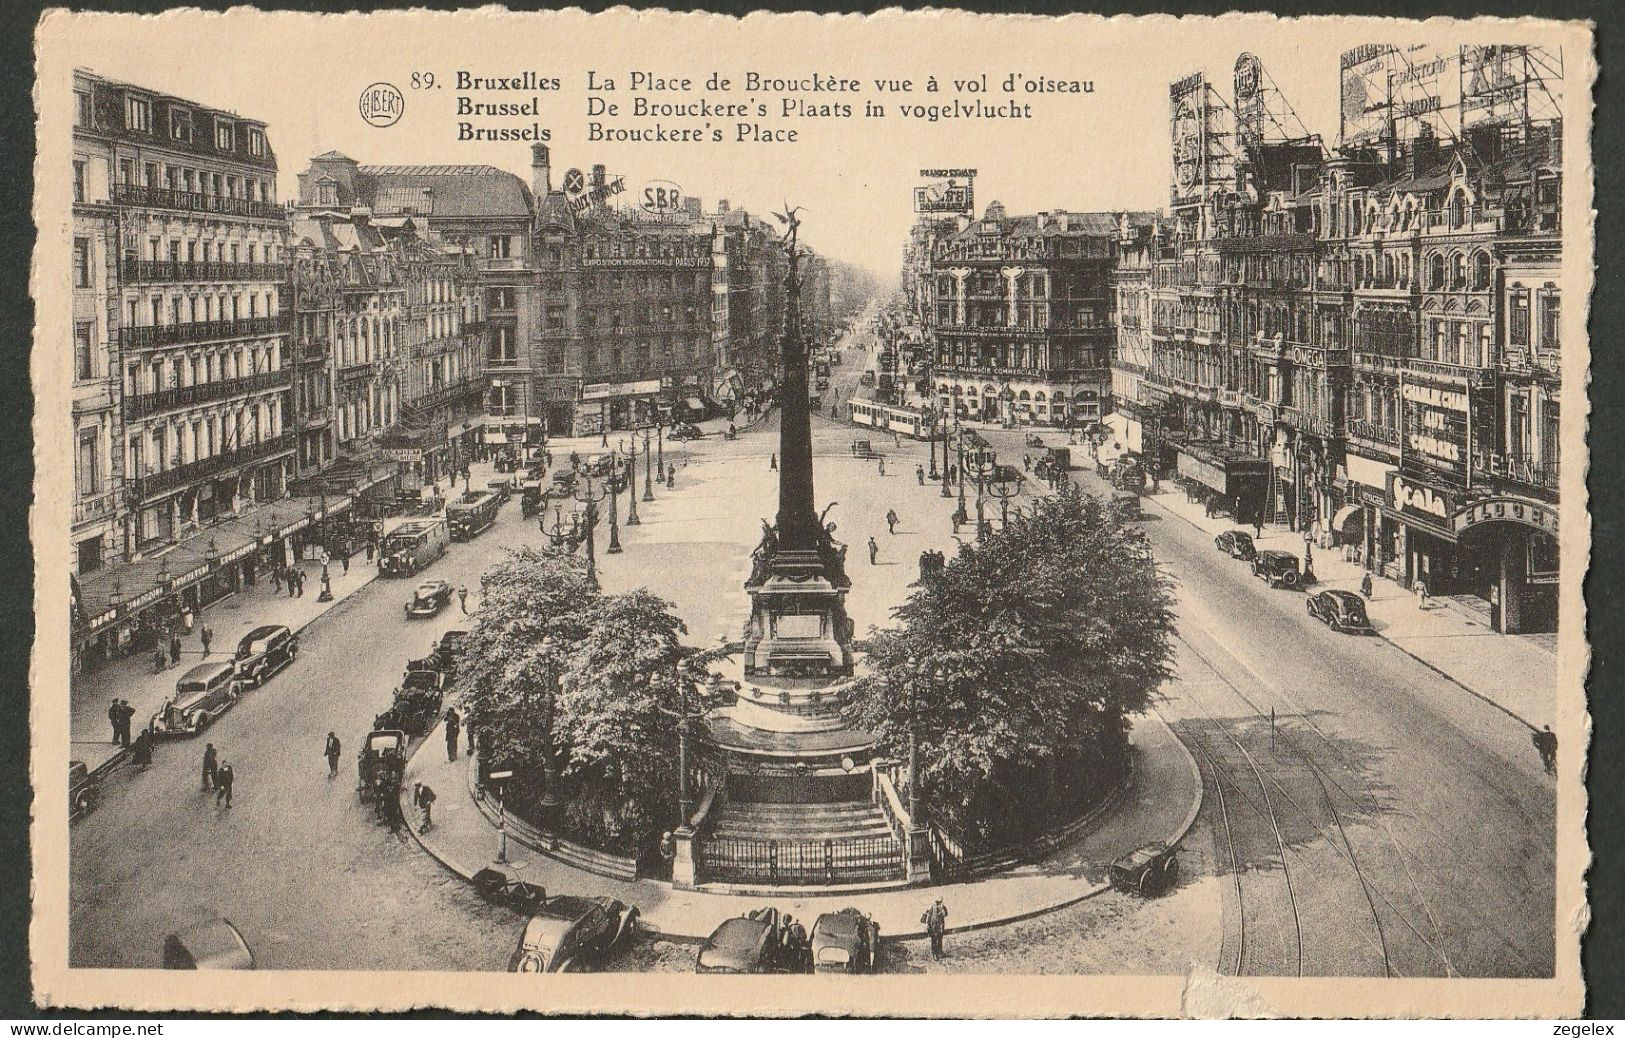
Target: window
column 138, row 114
column 84, row 359
column 224, row 139
column 1439, row 344
column 81, row 262
column 503, row 400
column 256, row 142
column 180, row 125
column 501, row 247
column 78, row 180
column 87, row 470
column 1518, row 320
column 1549, row 321
column 1481, row 272
column 82, row 110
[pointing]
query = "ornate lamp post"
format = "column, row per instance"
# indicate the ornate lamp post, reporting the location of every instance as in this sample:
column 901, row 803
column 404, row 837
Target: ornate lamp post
column 1004, row 490
column 984, row 466
column 632, row 485
column 963, row 515
column 588, row 492
column 648, row 467
column 614, row 481
column 953, row 403
column 660, row 444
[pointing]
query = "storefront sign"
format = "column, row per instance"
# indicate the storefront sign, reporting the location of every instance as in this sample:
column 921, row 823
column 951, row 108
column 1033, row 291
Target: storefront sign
column 1421, row 499
column 1537, row 514
column 944, row 197
column 604, row 390
column 406, row 454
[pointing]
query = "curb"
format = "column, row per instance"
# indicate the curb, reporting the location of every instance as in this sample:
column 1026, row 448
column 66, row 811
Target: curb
column 1429, row 665
column 458, row 869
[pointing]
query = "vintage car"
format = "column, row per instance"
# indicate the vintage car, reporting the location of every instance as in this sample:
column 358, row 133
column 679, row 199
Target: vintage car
column 428, row 598
column 685, row 431
column 866, row 379
column 1341, row 611
column 744, row 944
column 201, row 695
column 845, row 942
column 571, row 934
column 84, row 789
column 380, row 766
column 1277, row 568
column 1151, row 869
column 264, row 651
column 1238, row 544
column 447, row 651
column 1034, row 441
column 214, row 945
column 501, row 489
column 561, row 482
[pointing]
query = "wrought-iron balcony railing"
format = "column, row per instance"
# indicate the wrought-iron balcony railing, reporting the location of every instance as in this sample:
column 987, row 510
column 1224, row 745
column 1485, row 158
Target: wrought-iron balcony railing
column 192, row 201
column 159, row 482
column 188, row 270
column 142, row 405
column 201, row 331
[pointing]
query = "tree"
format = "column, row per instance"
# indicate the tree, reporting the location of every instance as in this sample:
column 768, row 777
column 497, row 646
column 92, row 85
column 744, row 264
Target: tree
column 566, row 686
column 1020, row 664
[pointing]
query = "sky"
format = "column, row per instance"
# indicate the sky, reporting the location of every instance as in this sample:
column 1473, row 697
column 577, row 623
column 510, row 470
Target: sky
column 1104, row 150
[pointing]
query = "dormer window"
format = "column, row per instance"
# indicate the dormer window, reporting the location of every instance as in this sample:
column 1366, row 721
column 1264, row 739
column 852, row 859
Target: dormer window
column 224, row 138
column 138, row 114
column 256, row 143
column 327, row 192
column 180, row 125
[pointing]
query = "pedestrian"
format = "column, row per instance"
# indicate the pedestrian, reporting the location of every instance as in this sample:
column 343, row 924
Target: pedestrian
column 126, row 713
column 1365, row 586
column 293, row 581
column 345, row 559
column 207, row 634
column 175, row 646
column 891, row 521
column 882, row 466
column 113, row 715
column 919, row 474
column 223, row 779
column 470, row 736
column 874, row 551
column 425, row 801
column 301, row 583
column 369, row 549
column 332, row 752
column 1258, row 525
column 671, row 478
column 211, row 766
column 453, row 727
column 954, row 518
column 462, row 599
column 795, row 942
column 141, row 751
column 773, row 463
column 1027, row 462
column 276, row 578
column 1546, row 744
column 1421, row 591
column 925, row 565
column 936, row 924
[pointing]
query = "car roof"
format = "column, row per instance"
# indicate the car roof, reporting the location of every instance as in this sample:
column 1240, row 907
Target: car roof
column 263, row 631
column 205, row 671
column 1238, row 533
column 737, row 933
column 1341, row 595
column 567, row 906
column 845, row 923
column 1276, row 553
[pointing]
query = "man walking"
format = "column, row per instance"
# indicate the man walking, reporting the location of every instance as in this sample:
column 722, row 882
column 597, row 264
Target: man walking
column 891, row 521
column 936, row 924
column 919, row 474
column 113, row 717
column 207, row 634
column 222, row 784
column 1365, row 586
column 125, row 713
column 773, row 462
column 874, row 551
column 425, row 799
column 882, row 466
column 453, row 727
column 1546, row 744
column 332, row 751
column 301, row 583
column 462, row 598
column 211, row 766
column 175, row 646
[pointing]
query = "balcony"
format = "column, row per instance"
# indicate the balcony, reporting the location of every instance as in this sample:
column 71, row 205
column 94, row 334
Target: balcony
column 1379, row 362
column 502, row 263
column 1476, row 376
column 184, row 270
column 1526, row 469
column 356, row 372
column 191, row 201
column 449, row 393
column 313, row 351
column 201, row 331
column 181, row 475
column 143, row 405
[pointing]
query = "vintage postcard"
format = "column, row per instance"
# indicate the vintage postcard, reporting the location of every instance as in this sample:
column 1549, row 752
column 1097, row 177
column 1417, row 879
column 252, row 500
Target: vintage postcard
column 911, row 514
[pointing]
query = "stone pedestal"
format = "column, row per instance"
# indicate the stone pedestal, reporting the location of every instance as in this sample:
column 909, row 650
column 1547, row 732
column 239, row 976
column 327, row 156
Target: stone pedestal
column 682, row 866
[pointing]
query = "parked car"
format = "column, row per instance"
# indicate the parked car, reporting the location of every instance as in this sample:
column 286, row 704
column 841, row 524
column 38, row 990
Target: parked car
column 428, row 598
column 685, row 431
column 502, row 488
column 744, row 944
column 1341, row 611
column 215, row 945
column 201, row 695
column 1238, row 544
column 571, row 934
column 448, row 650
column 83, row 789
column 264, row 651
column 845, row 942
column 1151, row 869
column 563, row 481
column 1277, row 568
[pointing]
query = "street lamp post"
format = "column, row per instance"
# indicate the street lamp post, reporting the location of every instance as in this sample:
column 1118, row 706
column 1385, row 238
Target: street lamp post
column 550, row 772
column 648, row 468
column 632, row 486
column 589, row 493
column 960, row 477
column 1004, row 490
column 614, row 486
column 660, row 445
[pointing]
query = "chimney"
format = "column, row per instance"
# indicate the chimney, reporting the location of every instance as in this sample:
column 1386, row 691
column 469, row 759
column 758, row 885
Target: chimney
column 541, row 171
column 1061, row 220
column 722, row 207
column 1043, row 220
column 692, row 206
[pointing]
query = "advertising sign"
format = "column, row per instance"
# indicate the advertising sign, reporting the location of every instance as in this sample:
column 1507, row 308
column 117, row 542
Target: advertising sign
column 1434, row 423
column 945, row 196
column 661, row 197
column 1187, row 125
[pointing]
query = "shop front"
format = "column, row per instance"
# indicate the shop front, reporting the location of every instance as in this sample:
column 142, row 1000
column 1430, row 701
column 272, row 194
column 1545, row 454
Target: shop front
column 621, row 405
column 1509, row 558
column 1238, row 481
column 1420, row 539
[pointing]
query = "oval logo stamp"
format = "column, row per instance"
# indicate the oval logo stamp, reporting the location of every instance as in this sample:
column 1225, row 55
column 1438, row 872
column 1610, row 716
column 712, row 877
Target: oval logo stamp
column 382, row 104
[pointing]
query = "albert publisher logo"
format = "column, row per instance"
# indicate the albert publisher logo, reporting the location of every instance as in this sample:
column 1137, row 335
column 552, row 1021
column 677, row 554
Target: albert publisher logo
column 382, row 105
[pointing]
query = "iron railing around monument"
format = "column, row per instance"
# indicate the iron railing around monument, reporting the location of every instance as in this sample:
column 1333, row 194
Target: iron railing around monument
column 855, row 859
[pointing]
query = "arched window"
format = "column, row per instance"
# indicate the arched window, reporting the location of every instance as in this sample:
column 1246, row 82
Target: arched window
column 1435, row 272
column 1458, row 271
column 1481, row 271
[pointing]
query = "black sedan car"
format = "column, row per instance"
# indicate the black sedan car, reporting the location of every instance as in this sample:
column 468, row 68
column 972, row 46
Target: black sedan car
column 845, row 942
column 1277, row 568
column 571, row 934
column 1149, row 870
column 1238, row 544
column 428, row 598
column 1341, row 611
column 745, row 944
column 686, row 431
column 264, row 651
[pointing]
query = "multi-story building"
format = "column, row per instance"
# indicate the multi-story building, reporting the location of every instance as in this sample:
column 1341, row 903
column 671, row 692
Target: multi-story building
column 178, row 267
column 487, row 214
column 1362, row 343
column 1020, row 316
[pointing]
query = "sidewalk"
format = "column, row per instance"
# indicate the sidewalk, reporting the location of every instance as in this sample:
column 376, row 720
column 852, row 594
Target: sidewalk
column 1518, row 675
column 1160, row 804
column 134, row 679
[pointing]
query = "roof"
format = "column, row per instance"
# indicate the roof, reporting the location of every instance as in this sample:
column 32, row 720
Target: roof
column 443, row 191
column 263, row 631
column 566, row 906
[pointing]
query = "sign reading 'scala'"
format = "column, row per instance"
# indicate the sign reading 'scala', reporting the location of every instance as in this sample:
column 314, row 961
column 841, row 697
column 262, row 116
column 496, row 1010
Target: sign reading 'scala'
column 1410, row 497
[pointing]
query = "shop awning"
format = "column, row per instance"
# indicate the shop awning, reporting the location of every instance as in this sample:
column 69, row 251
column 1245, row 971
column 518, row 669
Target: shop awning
column 1349, row 520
